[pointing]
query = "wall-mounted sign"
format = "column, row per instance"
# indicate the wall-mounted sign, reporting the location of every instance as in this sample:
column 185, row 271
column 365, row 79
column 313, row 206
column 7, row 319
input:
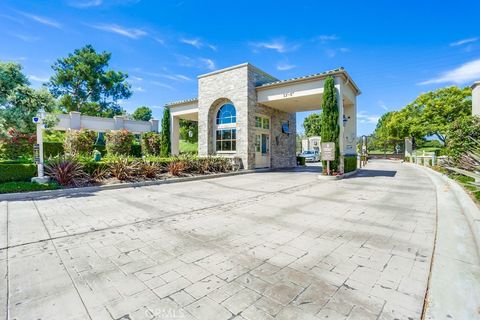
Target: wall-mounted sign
column 328, row 151
column 286, row 127
column 36, row 153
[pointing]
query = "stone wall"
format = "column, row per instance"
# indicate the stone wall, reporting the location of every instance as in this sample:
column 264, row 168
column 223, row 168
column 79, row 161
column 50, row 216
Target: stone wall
column 213, row 90
column 282, row 146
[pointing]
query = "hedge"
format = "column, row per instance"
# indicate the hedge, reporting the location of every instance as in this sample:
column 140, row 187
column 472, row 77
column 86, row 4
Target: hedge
column 52, row 149
column 350, row 163
column 17, row 172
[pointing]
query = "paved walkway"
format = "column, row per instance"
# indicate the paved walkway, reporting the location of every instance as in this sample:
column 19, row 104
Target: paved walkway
column 280, row 245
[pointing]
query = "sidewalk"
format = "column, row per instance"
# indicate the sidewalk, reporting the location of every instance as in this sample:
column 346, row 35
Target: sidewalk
column 454, row 284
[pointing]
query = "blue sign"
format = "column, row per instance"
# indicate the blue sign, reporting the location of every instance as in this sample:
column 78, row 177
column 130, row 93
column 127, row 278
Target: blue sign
column 285, row 127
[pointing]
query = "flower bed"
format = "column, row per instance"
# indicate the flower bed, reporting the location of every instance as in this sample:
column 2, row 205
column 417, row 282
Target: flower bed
column 73, row 172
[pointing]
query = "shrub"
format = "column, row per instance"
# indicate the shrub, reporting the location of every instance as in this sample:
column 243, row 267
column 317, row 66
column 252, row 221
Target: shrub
column 122, row 169
column 136, row 150
column 176, row 168
column 150, row 142
column 462, row 136
column 66, row 172
column 23, row 186
column 119, row 142
column 79, row 142
column 17, row 145
column 350, row 163
column 52, row 149
column 148, row 169
column 17, row 171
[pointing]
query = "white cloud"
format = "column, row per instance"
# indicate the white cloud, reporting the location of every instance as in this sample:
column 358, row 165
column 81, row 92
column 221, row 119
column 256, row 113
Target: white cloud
column 135, row 78
column 363, row 117
column 469, row 71
column 208, row 63
column 42, row 20
column 284, row 66
column 463, row 41
column 163, row 85
column 25, row 37
column 325, row 38
column 139, row 89
column 35, row 78
column 197, row 43
column 330, row 53
column 85, row 3
column 278, row 45
column 201, row 63
column 132, row 33
column 382, row 105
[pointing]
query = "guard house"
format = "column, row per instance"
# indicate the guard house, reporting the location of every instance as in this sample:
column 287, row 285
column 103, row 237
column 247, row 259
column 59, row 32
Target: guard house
column 244, row 112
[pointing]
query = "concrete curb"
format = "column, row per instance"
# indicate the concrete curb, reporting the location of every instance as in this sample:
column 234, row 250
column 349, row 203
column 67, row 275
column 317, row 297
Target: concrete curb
column 339, row 177
column 65, row 192
column 453, row 290
column 469, row 208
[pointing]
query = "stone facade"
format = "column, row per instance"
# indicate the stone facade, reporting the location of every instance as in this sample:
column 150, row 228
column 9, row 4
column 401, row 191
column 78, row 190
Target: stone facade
column 256, row 93
column 237, row 85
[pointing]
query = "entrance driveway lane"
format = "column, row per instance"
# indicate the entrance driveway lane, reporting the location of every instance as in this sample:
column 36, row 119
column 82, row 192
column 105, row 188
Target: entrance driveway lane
column 300, row 248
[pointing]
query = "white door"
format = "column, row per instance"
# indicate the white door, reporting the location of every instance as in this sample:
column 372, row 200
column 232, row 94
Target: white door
column 262, row 150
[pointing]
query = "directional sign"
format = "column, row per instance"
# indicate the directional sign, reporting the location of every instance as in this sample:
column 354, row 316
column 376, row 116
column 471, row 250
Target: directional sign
column 328, row 151
column 36, row 153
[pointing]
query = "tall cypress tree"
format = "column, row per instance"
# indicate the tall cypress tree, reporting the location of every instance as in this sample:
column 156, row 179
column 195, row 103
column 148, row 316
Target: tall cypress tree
column 330, row 127
column 165, row 147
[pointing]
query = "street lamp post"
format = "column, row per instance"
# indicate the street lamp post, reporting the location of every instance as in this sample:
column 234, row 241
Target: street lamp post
column 38, row 149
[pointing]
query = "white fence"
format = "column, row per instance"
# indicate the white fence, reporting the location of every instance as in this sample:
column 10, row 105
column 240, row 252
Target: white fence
column 77, row 121
column 428, row 159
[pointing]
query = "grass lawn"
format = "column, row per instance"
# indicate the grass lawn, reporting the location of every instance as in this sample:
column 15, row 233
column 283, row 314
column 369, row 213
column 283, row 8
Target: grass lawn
column 23, row 186
column 187, row 147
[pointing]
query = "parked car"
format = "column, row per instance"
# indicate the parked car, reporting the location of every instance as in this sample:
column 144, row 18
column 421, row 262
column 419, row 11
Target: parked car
column 310, row 155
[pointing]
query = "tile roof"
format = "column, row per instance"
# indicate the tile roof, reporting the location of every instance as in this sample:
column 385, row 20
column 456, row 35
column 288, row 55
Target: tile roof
column 303, row 77
column 181, row 102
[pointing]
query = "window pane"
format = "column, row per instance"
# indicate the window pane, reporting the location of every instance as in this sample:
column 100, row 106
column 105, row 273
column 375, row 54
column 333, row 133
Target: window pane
column 266, row 123
column 219, row 146
column 226, row 114
column 234, row 145
column 258, row 122
column 257, row 143
column 219, row 134
column 226, row 145
column 234, row 133
column 226, row 134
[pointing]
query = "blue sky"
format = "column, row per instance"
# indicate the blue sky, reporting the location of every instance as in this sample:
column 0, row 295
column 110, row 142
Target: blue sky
column 394, row 50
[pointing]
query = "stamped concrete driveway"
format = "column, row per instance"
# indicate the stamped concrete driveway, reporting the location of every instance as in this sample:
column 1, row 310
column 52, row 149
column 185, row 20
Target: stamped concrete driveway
column 281, row 245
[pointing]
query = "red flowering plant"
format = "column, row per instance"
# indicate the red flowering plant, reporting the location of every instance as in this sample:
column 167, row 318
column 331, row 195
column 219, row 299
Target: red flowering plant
column 16, row 145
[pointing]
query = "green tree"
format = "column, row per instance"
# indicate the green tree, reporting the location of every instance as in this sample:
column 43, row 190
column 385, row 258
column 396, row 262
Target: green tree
column 313, row 125
column 464, row 136
column 330, row 127
column 165, row 148
column 84, row 83
column 18, row 102
column 186, row 127
column 142, row 113
column 440, row 108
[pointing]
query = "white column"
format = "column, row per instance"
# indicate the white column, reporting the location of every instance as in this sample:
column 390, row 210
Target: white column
column 175, row 135
column 75, row 120
column 41, row 173
column 341, row 136
column 476, row 98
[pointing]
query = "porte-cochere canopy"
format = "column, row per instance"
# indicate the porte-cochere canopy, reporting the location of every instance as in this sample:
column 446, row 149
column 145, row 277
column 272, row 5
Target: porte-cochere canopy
column 252, row 91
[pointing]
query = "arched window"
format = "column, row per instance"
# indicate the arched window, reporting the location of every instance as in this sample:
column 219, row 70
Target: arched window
column 226, row 132
column 227, row 114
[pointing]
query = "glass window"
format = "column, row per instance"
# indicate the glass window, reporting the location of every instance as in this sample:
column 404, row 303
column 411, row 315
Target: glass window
column 258, row 122
column 227, row 114
column 266, row 123
column 257, row 142
column 226, row 140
